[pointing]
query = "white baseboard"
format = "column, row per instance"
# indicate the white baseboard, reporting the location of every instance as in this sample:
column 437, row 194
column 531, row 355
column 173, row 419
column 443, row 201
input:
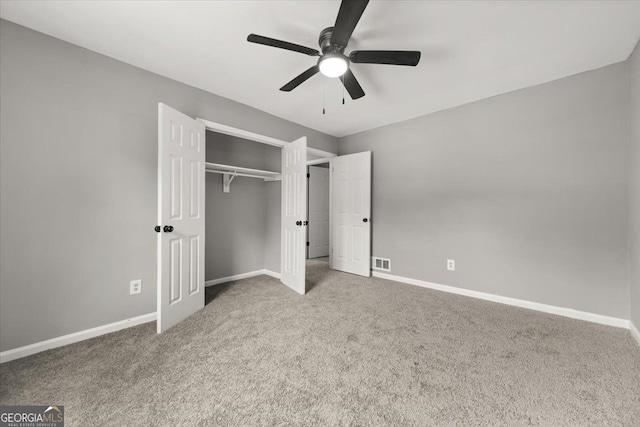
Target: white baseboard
column 241, row 276
column 561, row 311
column 634, row 332
column 272, row 274
column 233, row 278
column 38, row 347
column 30, row 349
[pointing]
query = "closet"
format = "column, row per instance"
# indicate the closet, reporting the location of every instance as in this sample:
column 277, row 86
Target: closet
column 242, row 177
column 275, row 213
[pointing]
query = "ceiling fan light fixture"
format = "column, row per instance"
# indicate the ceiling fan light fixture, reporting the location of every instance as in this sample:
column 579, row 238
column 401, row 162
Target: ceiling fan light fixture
column 333, row 64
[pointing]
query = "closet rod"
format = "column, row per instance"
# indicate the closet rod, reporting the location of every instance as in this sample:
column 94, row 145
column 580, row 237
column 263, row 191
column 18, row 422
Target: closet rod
column 266, row 178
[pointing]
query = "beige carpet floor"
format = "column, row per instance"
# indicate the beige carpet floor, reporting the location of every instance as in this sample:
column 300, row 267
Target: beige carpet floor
column 353, row 351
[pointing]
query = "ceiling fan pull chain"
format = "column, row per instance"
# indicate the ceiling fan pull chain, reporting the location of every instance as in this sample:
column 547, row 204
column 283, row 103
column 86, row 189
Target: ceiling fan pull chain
column 324, row 96
column 342, row 94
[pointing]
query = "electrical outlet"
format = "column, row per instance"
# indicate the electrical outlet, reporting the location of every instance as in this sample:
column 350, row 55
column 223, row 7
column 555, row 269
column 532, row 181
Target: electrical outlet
column 451, row 264
column 135, row 287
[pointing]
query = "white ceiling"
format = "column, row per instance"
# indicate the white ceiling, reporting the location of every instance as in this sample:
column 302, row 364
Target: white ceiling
column 470, row 50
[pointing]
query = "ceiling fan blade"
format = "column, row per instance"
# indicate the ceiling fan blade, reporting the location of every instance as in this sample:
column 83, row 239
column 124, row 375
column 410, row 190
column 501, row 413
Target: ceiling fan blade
column 393, row 57
column 268, row 41
column 300, row 79
column 348, row 17
column 351, row 84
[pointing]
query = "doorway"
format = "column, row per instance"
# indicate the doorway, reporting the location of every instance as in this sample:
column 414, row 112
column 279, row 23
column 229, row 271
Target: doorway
column 318, row 208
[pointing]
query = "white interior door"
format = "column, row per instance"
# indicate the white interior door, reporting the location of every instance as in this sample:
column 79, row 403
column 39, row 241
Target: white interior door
column 181, row 157
column 294, row 210
column 351, row 221
column 318, row 212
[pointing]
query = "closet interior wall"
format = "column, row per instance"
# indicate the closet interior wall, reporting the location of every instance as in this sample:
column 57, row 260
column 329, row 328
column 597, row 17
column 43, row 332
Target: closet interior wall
column 242, row 226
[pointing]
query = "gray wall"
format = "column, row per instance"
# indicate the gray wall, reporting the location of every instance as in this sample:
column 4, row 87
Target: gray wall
column 236, row 222
column 634, row 188
column 78, row 164
column 527, row 191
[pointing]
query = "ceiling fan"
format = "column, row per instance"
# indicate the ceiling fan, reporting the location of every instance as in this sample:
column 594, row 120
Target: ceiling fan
column 333, row 40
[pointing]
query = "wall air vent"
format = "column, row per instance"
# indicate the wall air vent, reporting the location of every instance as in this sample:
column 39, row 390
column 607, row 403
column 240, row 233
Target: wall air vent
column 382, row 264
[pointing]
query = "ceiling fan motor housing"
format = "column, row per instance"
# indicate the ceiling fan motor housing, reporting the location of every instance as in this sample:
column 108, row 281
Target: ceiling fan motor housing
column 325, row 42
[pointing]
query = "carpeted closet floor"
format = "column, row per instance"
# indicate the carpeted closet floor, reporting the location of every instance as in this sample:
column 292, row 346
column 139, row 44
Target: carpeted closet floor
column 353, row 351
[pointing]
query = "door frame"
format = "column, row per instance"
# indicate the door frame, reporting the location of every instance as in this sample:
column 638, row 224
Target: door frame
column 240, row 133
column 319, row 162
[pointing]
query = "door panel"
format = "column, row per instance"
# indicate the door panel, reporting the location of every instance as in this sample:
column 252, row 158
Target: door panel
column 175, row 260
column 175, row 178
column 194, row 196
column 194, row 267
column 294, row 209
column 181, row 206
column 351, row 193
column 318, row 212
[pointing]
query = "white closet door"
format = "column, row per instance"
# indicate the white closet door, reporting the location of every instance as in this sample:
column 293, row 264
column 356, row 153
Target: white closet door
column 294, row 209
column 181, row 157
column 318, row 212
column 351, row 225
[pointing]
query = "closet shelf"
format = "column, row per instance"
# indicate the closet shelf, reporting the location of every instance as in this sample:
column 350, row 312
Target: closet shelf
column 230, row 172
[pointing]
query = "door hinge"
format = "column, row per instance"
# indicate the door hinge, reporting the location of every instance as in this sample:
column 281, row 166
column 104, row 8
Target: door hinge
column 308, row 175
column 307, row 243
